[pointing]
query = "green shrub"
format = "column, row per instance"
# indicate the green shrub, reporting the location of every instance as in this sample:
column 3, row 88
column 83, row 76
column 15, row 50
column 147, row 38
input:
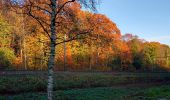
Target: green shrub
column 7, row 57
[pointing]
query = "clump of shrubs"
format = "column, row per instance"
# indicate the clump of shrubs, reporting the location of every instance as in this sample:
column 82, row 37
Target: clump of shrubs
column 7, row 58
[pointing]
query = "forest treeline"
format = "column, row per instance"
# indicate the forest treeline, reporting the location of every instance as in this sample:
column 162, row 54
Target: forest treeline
column 25, row 46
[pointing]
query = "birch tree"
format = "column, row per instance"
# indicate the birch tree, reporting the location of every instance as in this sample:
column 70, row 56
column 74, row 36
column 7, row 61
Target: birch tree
column 50, row 14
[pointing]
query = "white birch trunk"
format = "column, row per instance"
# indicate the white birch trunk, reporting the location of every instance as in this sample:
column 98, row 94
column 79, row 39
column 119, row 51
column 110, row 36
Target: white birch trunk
column 52, row 51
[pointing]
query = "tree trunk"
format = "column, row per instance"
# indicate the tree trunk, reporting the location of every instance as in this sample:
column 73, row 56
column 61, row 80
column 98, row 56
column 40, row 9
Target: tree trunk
column 52, row 51
column 65, row 53
column 25, row 55
column 50, row 72
column 90, row 57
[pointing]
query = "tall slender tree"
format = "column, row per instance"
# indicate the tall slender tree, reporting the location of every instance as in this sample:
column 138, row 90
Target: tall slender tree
column 50, row 14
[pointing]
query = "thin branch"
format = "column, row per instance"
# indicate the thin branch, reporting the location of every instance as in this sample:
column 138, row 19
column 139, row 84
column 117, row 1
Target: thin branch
column 38, row 20
column 59, row 38
column 46, row 31
column 60, row 8
column 30, row 14
column 40, row 8
column 73, row 38
column 47, row 4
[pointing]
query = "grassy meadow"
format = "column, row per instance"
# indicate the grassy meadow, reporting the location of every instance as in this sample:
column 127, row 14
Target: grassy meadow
column 88, row 86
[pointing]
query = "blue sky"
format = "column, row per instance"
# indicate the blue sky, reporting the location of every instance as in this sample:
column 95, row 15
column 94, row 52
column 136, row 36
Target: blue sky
column 149, row 19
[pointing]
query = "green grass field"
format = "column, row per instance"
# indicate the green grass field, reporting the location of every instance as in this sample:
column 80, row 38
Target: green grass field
column 104, row 93
column 88, row 86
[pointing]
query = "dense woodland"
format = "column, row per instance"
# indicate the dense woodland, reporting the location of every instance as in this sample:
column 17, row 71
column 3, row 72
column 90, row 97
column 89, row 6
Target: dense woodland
column 101, row 46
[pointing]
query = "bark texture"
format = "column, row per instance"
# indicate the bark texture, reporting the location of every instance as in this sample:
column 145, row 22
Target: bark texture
column 52, row 51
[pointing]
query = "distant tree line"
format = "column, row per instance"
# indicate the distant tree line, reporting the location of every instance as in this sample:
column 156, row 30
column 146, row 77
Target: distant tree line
column 25, row 46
